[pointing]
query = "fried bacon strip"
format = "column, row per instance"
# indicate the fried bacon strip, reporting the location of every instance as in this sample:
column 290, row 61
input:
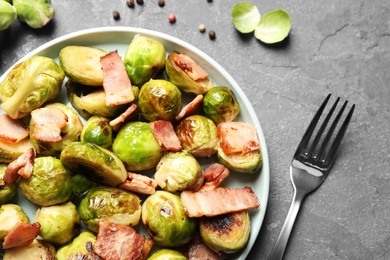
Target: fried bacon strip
column 190, row 67
column 47, row 123
column 22, row 166
column 165, row 135
column 21, row 234
column 214, row 174
column 117, row 123
column 194, row 107
column 12, row 130
column 139, row 183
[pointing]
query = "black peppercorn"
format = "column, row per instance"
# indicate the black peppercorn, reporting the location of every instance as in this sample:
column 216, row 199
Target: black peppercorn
column 140, row 2
column 161, row 3
column 130, row 3
column 116, row 15
column 212, row 35
column 209, row 1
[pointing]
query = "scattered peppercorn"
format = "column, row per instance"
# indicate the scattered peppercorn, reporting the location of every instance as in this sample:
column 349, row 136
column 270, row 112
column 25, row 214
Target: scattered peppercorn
column 212, row 35
column 140, row 2
column 172, row 18
column 209, row 1
column 202, row 28
column 130, row 3
column 116, row 15
column 161, row 3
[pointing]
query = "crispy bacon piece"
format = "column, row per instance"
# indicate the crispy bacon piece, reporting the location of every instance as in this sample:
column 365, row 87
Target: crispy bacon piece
column 22, row 166
column 194, row 107
column 21, row 234
column 122, row 118
column 116, row 82
column 190, row 67
column 139, row 183
column 197, row 250
column 118, row 242
column 237, row 137
column 165, row 135
column 12, row 130
column 218, row 201
column 214, row 174
column 48, row 122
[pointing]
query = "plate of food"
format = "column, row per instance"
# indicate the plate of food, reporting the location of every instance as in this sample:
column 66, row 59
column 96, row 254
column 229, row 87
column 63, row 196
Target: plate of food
column 132, row 130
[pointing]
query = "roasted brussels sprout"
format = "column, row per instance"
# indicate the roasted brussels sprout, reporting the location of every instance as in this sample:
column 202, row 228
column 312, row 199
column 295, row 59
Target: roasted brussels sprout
column 7, row 14
column 7, row 191
column 226, row 233
column 30, row 84
column 144, row 59
column 49, row 184
column 167, row 254
column 164, row 218
column 198, row 135
column 36, row 13
column 11, row 151
column 38, row 249
column 136, row 146
column 79, row 248
column 97, row 130
column 95, row 162
column 90, row 101
column 81, row 184
column 179, row 171
column 59, row 223
column 159, row 100
column 220, row 105
column 10, row 215
column 69, row 133
column 109, row 203
column 250, row 162
column 81, row 64
column 186, row 74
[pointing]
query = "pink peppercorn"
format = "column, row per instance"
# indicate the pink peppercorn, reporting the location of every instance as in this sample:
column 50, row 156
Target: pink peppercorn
column 172, row 18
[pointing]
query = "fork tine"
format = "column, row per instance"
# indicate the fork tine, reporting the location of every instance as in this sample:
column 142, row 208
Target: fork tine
column 309, row 131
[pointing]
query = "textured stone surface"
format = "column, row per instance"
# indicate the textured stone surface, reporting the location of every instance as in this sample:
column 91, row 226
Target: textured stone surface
column 338, row 47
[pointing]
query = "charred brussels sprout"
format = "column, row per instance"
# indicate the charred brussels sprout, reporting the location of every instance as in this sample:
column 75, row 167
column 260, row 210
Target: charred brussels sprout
column 7, row 191
column 49, row 184
column 36, row 13
column 10, row 215
column 250, row 162
column 80, row 248
column 7, row 15
column 167, row 254
column 136, row 146
column 38, row 248
column 95, row 162
column 164, row 218
column 220, row 105
column 144, row 59
column 226, row 233
column 186, row 74
column 112, row 204
column 82, row 64
column 59, row 223
column 198, row 135
column 30, row 84
column 159, row 100
column 97, row 130
column 179, row 171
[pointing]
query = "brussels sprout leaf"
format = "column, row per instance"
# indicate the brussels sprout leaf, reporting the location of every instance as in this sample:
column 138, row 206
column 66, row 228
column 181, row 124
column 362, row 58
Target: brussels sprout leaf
column 273, row 27
column 245, row 17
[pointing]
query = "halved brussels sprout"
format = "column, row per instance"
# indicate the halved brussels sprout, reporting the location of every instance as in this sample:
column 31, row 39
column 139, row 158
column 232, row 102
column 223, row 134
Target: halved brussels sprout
column 69, row 133
column 7, row 191
column 59, row 223
column 95, row 162
column 159, row 100
column 250, row 162
column 97, row 130
column 136, row 146
column 81, row 64
column 90, row 101
column 198, row 135
column 186, row 74
column 81, row 184
column 226, row 233
column 7, row 14
column 220, row 104
column 80, row 248
column 167, row 254
column 165, row 220
column 144, row 59
column 49, row 184
column 38, row 248
column 112, row 204
column 36, row 13
column 11, row 151
column 29, row 85
column 10, row 215
column 179, row 171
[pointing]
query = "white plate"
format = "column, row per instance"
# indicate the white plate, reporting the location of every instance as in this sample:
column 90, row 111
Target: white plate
column 118, row 38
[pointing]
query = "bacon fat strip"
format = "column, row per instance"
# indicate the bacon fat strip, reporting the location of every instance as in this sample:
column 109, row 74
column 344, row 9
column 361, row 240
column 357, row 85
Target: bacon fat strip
column 116, row 82
column 21, row 234
column 12, row 130
column 139, row 183
column 218, row 201
column 165, row 135
column 117, row 123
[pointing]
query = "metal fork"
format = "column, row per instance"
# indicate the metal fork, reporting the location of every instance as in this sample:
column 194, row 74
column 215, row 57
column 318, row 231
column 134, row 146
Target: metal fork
column 311, row 164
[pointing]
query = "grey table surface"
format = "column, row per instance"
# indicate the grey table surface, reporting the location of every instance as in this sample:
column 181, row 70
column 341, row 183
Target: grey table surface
column 338, row 47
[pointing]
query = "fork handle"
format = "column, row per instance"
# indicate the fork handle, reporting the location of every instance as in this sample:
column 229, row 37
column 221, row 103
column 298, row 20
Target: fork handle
column 281, row 243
